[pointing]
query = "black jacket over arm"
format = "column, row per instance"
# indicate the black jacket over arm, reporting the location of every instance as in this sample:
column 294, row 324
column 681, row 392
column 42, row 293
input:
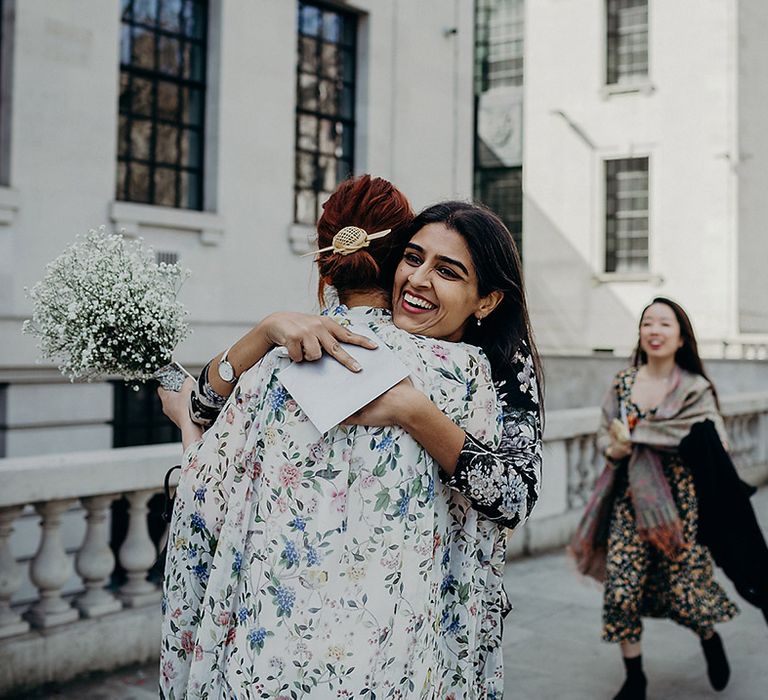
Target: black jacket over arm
column 727, row 522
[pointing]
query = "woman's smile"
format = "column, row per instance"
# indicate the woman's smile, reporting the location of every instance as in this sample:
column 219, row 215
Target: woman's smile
column 415, row 303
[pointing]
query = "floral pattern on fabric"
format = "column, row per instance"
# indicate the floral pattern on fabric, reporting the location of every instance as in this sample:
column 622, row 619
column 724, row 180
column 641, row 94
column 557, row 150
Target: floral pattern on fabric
column 503, row 483
column 302, row 565
column 640, row 581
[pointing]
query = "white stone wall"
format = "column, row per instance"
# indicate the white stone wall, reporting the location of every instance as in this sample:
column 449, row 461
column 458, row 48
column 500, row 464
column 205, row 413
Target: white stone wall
column 752, row 167
column 414, row 126
column 683, row 119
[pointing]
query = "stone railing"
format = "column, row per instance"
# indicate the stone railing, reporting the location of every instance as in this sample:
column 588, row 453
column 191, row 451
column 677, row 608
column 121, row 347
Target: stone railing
column 58, row 616
column 57, row 636
column 572, row 463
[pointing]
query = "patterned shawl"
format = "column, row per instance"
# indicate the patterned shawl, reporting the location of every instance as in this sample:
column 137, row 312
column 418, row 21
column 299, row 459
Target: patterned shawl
column 690, row 400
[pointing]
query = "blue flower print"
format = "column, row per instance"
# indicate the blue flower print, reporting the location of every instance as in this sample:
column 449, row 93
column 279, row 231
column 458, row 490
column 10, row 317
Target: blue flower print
column 313, row 558
column 237, row 563
column 201, row 571
column 284, row 598
column 290, row 555
column 448, row 584
column 198, row 522
column 299, row 523
column 386, row 442
column 256, row 638
column 277, row 398
column 454, row 627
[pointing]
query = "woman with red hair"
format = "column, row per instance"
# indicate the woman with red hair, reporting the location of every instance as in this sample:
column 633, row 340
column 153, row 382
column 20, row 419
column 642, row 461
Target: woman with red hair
column 361, row 562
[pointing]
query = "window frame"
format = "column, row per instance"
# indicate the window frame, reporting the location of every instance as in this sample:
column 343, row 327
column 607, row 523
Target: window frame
column 610, row 212
column 621, row 82
column 483, row 82
column 191, row 197
column 512, row 216
column 348, row 45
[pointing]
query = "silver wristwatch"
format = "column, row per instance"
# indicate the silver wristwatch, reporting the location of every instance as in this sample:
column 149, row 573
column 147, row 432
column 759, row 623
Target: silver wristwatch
column 226, row 370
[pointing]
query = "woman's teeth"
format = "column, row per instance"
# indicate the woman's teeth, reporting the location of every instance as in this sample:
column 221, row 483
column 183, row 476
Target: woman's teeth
column 418, row 302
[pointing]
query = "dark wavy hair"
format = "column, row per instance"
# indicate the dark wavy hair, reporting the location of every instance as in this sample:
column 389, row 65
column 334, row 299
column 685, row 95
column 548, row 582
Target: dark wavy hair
column 687, row 355
column 373, row 204
column 507, row 329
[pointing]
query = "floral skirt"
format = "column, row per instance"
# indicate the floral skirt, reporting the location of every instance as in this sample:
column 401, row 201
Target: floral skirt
column 640, row 581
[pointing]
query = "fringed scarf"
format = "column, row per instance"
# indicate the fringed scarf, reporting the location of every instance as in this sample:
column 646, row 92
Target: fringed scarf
column 689, row 401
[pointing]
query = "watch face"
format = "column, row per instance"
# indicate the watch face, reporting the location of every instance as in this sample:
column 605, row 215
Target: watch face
column 226, row 371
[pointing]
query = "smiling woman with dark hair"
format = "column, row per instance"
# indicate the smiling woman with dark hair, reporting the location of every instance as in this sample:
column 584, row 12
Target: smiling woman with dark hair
column 367, row 561
column 639, row 533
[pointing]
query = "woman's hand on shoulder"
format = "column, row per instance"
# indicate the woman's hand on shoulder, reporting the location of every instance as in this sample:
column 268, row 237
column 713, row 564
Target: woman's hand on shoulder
column 307, row 337
column 393, row 407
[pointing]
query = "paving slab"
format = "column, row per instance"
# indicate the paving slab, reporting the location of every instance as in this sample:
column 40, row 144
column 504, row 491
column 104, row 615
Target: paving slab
column 553, row 651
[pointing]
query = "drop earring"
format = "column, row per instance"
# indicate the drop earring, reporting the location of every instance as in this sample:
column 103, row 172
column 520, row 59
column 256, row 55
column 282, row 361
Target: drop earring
column 479, row 322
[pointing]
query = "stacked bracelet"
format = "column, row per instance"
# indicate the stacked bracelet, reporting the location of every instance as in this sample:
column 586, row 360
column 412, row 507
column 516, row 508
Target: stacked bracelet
column 205, row 403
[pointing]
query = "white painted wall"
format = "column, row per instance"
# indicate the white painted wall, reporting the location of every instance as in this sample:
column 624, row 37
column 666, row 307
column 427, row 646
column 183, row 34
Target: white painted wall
column 752, row 168
column 683, row 120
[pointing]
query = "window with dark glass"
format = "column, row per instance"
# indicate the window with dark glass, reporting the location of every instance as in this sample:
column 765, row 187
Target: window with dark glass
column 162, row 102
column 325, row 109
column 627, row 35
column 498, row 43
column 501, row 190
column 626, row 215
column 498, row 173
column 138, row 417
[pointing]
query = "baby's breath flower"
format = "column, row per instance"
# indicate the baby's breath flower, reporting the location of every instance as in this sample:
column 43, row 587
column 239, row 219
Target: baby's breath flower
column 106, row 307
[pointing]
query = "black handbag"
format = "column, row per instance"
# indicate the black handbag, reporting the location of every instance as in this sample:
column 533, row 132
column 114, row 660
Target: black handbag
column 169, row 500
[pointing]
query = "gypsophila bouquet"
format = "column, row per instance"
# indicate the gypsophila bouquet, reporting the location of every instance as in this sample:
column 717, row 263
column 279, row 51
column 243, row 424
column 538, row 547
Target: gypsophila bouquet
column 106, row 307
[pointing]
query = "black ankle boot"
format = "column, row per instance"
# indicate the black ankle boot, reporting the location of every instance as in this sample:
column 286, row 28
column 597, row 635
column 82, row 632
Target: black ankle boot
column 634, row 686
column 718, row 669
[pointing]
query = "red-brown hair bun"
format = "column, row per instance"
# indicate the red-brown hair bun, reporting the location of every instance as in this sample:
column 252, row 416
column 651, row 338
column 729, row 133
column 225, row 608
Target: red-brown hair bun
column 372, row 204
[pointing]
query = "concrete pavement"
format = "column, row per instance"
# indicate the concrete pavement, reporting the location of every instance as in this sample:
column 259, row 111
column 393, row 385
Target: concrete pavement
column 552, row 646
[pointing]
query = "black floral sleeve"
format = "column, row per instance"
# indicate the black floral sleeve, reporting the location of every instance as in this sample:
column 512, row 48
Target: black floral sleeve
column 504, row 483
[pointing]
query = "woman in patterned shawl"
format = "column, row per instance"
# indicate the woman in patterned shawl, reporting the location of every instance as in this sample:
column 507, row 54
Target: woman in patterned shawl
column 341, row 565
column 639, row 532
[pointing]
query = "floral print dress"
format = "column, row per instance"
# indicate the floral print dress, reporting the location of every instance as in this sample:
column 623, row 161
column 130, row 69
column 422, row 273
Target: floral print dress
column 339, row 565
column 640, row 581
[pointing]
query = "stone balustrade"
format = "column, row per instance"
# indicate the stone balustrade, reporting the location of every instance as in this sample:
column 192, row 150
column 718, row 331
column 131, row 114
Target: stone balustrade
column 572, row 463
column 62, row 632
column 58, row 635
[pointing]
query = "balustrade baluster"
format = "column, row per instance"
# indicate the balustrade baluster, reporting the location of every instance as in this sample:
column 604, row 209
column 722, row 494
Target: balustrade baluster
column 10, row 576
column 51, row 568
column 571, row 473
column 138, row 553
column 95, row 561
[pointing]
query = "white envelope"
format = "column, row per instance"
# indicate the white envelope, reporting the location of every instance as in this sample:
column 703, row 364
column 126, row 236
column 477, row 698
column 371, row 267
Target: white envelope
column 328, row 392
